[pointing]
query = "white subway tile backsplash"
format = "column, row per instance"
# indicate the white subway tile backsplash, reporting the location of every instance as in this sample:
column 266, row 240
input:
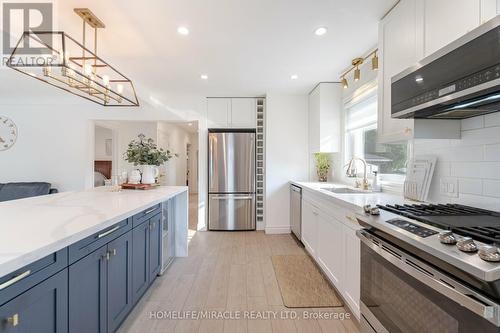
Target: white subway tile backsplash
column 470, row 186
column 492, row 119
column 492, row 152
column 473, row 123
column 492, row 188
column 474, row 160
column 466, row 169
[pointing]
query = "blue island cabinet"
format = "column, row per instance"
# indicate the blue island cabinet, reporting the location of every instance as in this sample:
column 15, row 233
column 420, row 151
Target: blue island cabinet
column 146, row 257
column 100, row 288
column 41, row 309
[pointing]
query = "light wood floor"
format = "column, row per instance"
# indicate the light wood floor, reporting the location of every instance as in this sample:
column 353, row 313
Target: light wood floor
column 227, row 271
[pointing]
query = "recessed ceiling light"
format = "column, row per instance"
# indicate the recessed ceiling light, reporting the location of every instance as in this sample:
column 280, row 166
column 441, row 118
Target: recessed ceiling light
column 183, row 31
column 320, row 31
column 419, row 79
column 294, row 77
column 204, row 76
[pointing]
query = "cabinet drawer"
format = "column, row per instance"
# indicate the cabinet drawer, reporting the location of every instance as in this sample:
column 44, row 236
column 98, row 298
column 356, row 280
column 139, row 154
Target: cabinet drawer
column 41, row 309
column 145, row 215
column 92, row 243
column 24, row 278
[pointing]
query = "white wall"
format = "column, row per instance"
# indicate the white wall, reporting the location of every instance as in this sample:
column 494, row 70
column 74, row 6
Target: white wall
column 174, row 138
column 474, row 161
column 101, row 136
column 193, row 167
column 286, row 155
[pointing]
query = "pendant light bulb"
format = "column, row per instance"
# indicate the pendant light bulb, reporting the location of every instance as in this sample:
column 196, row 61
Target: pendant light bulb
column 375, row 61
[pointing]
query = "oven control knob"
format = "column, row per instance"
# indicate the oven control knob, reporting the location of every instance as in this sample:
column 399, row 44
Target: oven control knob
column 466, row 244
column 447, row 237
column 489, row 253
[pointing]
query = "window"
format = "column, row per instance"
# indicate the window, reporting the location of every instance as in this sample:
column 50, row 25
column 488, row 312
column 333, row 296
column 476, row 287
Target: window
column 389, row 160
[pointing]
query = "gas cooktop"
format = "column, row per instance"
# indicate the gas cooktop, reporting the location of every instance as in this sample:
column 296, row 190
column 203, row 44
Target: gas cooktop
column 479, row 224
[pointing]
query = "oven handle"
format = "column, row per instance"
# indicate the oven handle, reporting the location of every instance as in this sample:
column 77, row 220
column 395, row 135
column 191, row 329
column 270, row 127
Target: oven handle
column 466, row 297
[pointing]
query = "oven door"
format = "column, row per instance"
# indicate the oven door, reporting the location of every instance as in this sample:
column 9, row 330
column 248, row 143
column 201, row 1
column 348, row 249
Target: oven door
column 400, row 293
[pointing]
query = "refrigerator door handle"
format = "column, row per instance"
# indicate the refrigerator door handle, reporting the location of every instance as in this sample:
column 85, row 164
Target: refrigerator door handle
column 226, row 197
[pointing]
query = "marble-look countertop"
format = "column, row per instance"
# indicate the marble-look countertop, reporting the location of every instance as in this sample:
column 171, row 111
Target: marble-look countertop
column 352, row 201
column 33, row 228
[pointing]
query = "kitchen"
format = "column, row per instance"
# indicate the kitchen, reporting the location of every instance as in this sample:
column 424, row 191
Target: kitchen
column 397, row 114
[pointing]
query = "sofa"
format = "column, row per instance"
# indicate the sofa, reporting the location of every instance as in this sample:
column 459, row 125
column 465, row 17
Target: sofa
column 12, row 191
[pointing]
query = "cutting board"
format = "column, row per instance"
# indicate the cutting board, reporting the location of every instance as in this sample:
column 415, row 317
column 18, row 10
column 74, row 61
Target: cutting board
column 418, row 177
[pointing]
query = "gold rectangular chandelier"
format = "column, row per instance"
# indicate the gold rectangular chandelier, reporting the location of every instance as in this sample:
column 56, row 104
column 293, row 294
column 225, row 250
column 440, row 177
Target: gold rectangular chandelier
column 64, row 63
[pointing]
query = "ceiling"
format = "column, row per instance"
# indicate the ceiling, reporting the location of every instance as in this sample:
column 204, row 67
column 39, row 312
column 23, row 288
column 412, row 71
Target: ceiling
column 247, row 48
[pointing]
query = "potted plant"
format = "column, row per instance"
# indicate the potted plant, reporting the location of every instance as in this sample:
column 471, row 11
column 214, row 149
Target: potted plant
column 322, row 166
column 145, row 152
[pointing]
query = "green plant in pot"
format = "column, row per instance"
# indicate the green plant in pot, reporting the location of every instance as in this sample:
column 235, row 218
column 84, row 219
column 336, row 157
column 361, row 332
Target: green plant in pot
column 145, row 152
column 323, row 165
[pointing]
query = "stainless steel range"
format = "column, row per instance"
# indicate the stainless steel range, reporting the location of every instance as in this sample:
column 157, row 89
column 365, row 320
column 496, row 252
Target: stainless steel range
column 430, row 268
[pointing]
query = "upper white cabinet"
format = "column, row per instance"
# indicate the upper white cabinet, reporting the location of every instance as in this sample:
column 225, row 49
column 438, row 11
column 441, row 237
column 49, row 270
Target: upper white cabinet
column 243, row 112
column 489, row 9
column 447, row 20
column 325, row 107
column 219, row 112
column 231, row 112
column 400, row 46
column 413, row 30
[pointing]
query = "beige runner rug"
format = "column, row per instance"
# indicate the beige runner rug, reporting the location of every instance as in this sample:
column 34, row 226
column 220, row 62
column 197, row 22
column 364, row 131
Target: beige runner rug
column 301, row 283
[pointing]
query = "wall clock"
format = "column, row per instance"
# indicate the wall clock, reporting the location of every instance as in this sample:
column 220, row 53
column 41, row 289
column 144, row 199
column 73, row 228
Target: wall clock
column 8, row 133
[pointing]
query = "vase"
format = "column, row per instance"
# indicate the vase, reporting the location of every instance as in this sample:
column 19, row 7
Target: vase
column 149, row 174
column 134, row 177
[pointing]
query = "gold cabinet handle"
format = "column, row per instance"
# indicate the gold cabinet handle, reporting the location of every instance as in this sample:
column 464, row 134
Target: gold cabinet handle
column 13, row 320
column 110, row 231
column 113, row 252
column 15, row 279
column 106, row 256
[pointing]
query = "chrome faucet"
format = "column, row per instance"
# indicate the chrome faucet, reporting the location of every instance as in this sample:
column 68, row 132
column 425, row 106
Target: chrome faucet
column 351, row 172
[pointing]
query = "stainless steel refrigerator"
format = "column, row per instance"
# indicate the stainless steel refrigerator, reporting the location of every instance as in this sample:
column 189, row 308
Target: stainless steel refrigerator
column 231, row 180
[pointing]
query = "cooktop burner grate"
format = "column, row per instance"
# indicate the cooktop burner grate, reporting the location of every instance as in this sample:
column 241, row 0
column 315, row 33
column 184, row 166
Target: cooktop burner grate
column 479, row 224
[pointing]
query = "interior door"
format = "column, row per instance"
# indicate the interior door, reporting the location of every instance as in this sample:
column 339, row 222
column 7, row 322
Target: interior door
column 231, row 162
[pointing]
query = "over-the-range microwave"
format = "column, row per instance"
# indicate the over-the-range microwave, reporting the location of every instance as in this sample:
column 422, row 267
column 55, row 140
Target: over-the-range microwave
column 461, row 80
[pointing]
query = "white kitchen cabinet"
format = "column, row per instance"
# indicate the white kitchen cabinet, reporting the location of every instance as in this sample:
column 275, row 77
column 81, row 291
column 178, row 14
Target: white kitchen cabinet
column 331, row 251
column 352, row 268
column 461, row 17
column 218, row 112
column 243, row 112
column 400, row 46
column 231, row 112
column 489, row 9
column 325, row 110
column 329, row 236
column 408, row 33
column 309, row 233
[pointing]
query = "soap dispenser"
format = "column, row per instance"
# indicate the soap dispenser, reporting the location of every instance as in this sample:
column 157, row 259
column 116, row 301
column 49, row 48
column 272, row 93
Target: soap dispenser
column 376, row 183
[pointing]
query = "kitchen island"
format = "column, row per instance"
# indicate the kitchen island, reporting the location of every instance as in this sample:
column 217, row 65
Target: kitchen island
column 80, row 261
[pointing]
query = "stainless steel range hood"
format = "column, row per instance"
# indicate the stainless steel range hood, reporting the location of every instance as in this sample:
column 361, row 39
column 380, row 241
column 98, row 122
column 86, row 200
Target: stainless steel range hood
column 461, row 80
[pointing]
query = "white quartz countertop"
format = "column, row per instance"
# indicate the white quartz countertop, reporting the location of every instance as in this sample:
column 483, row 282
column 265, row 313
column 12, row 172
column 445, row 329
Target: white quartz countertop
column 353, row 201
column 33, row 228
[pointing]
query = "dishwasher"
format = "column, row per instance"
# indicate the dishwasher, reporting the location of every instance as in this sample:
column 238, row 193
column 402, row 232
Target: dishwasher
column 296, row 210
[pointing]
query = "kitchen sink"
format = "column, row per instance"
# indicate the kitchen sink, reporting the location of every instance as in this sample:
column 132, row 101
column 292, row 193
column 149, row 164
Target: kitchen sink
column 344, row 190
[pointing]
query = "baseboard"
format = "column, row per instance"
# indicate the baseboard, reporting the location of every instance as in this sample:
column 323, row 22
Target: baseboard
column 278, row 230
